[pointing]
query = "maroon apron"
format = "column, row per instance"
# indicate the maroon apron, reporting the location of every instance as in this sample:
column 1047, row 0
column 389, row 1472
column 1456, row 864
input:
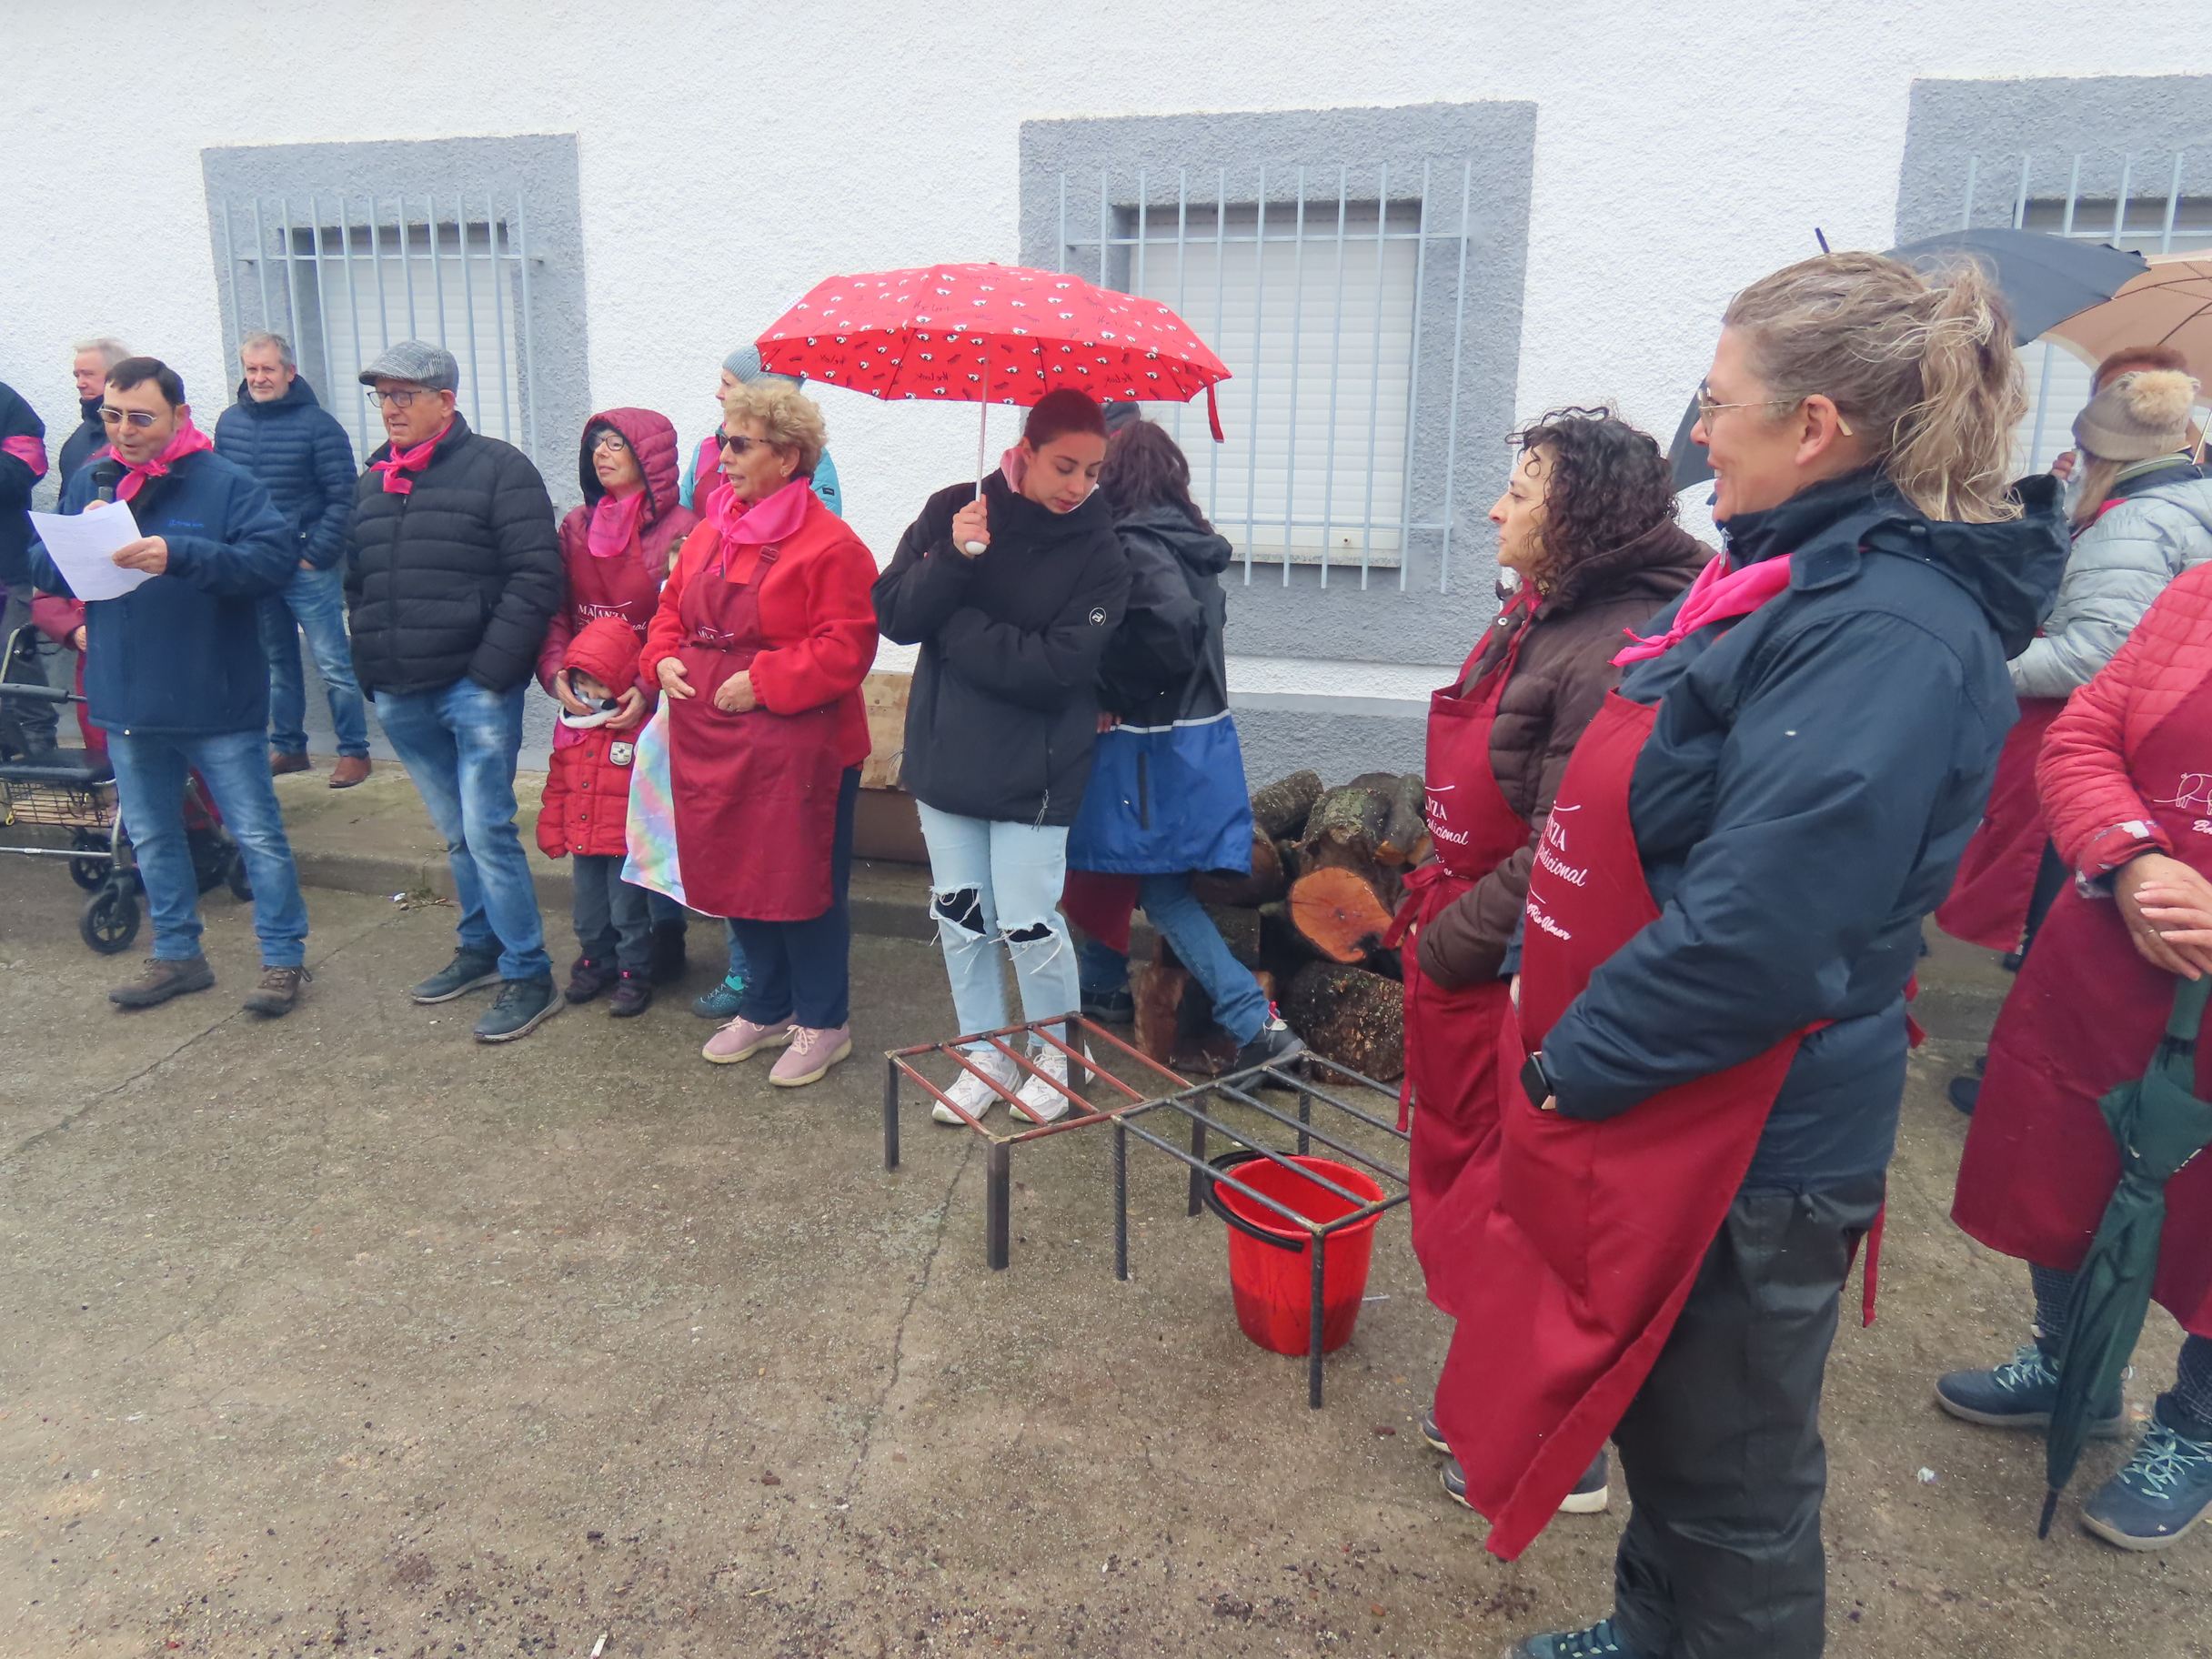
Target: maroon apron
column 755, row 793
column 1988, row 905
column 1600, row 1227
column 1451, row 1034
column 2083, row 1018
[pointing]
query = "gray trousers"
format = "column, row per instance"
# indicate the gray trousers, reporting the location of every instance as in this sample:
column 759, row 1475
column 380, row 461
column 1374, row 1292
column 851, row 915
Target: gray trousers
column 1721, row 1448
column 23, row 725
column 612, row 920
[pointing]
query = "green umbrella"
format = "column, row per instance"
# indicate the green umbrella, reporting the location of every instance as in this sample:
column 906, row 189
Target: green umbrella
column 2159, row 1124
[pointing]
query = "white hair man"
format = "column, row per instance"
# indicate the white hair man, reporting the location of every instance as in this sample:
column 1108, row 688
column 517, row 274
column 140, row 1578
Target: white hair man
column 89, row 363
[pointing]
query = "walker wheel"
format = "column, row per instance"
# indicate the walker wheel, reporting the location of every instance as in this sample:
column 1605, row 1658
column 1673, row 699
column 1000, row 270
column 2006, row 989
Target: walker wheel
column 110, row 922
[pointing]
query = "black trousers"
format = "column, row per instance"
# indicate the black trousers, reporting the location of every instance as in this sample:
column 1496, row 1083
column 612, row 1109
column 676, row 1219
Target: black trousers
column 1721, row 1449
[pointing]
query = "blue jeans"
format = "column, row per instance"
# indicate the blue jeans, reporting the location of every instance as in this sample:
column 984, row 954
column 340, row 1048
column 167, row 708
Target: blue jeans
column 994, row 884
column 1240, row 1006
column 314, row 600
column 150, row 769
column 459, row 746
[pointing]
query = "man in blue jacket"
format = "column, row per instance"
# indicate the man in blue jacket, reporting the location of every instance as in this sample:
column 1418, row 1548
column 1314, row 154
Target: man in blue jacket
column 173, row 674
column 297, row 448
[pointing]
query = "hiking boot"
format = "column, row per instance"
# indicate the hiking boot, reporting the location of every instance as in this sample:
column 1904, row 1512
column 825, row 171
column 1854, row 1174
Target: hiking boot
column 2165, row 1490
column 278, row 993
column 720, row 1003
column 162, row 979
column 2019, row 1394
column 589, row 976
column 1038, row 1100
column 811, row 1055
column 523, row 1006
column 669, row 961
column 1271, row 1045
column 633, row 995
column 285, row 762
column 971, row 1092
column 468, row 970
column 1598, row 1640
column 349, row 770
column 1590, row 1496
column 742, row 1039
column 1115, row 1007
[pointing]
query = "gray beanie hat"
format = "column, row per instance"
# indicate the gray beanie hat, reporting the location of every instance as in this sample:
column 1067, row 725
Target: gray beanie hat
column 745, row 367
column 2137, row 416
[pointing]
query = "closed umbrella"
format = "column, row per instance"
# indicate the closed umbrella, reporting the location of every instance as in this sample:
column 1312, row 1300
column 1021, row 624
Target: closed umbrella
column 2159, row 1124
column 2045, row 280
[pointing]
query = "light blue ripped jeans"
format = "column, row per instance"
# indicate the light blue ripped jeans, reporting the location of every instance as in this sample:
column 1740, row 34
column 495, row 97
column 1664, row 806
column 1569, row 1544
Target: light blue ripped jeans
column 998, row 884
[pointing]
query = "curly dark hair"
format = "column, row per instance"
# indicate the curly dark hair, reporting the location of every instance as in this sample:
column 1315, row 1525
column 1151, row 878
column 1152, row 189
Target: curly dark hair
column 1610, row 485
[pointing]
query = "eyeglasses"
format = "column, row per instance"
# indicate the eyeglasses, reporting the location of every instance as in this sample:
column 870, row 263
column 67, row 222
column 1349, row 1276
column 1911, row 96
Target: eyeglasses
column 399, row 400
column 1707, row 408
column 139, row 419
column 610, row 441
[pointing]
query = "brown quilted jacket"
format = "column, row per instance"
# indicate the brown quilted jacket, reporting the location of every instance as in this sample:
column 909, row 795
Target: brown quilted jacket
column 1564, row 670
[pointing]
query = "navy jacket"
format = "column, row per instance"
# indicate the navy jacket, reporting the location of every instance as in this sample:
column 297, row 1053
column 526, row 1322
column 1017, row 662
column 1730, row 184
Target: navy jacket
column 181, row 652
column 23, row 462
column 303, row 458
column 1815, row 772
column 87, row 439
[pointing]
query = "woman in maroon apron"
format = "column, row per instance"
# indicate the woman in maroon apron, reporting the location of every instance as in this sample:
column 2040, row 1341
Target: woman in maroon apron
column 1720, row 921
column 762, row 638
column 1586, row 529
column 2127, row 778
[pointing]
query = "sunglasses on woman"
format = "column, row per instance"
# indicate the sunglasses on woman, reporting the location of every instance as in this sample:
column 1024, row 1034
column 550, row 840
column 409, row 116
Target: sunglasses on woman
column 737, row 443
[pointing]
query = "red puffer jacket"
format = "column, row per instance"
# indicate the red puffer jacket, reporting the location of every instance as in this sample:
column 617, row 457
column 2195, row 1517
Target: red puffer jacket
column 586, row 799
column 2096, row 816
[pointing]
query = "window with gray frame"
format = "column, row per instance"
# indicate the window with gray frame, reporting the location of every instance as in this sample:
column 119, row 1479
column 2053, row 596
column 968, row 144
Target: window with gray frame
column 346, row 248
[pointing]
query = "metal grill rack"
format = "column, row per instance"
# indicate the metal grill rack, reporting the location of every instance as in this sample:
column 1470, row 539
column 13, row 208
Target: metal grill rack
column 1305, row 1075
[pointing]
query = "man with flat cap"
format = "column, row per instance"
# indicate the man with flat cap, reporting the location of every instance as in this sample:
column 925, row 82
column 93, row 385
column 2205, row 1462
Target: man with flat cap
column 452, row 574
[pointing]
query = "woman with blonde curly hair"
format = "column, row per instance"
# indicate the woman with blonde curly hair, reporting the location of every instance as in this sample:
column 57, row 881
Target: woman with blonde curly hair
column 763, row 635
column 1722, row 920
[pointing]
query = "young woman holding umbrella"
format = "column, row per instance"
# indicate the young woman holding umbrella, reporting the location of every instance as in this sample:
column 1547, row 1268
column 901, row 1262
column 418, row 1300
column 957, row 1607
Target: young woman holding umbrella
column 1011, row 591
column 1721, row 922
column 2129, row 805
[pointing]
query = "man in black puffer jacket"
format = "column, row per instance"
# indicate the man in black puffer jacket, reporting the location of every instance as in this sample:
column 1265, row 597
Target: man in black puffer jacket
column 453, row 572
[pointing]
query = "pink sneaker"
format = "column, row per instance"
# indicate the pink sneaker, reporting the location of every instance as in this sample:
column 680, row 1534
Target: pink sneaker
column 741, row 1039
column 811, row 1055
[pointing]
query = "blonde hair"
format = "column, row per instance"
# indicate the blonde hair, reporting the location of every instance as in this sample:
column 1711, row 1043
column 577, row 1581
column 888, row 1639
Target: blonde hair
column 787, row 416
column 1921, row 367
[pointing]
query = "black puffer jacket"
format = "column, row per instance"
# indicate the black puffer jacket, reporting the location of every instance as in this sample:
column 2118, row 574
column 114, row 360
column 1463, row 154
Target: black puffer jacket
column 1176, row 614
column 457, row 577
column 88, row 437
column 1003, row 712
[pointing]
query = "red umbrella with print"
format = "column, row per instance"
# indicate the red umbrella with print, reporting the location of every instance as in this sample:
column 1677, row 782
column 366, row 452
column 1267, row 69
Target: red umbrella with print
column 990, row 334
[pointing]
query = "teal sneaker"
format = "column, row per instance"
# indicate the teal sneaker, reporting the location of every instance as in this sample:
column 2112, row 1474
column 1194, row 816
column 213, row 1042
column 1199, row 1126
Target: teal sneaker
column 1598, row 1640
column 2165, row 1490
column 721, row 1003
column 2019, row 1394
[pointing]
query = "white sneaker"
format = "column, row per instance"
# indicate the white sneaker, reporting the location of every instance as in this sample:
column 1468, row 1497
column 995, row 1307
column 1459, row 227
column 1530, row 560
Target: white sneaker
column 1039, row 1100
column 971, row 1091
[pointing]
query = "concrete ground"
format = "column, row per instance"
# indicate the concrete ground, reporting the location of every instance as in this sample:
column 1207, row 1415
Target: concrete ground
column 346, row 1335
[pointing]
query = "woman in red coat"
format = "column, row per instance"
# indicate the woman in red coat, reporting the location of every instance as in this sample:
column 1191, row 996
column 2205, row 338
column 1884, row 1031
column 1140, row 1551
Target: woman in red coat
column 763, row 635
column 2127, row 793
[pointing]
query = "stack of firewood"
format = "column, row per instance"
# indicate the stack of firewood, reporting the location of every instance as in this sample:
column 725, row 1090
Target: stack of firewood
column 1328, row 870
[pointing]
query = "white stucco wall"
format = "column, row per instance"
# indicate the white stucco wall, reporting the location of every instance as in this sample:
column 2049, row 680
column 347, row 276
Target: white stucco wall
column 731, row 154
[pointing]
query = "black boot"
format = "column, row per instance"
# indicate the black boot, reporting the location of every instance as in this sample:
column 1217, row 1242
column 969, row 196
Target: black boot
column 667, row 964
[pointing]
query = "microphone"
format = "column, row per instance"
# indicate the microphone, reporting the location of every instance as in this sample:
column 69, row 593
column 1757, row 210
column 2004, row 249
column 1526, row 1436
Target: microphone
column 105, row 476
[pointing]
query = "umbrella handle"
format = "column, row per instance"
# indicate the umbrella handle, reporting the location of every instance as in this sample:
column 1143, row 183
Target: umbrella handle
column 982, row 453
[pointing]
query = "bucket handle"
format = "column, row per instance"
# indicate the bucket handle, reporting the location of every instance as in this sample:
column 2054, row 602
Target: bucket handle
column 1224, row 1164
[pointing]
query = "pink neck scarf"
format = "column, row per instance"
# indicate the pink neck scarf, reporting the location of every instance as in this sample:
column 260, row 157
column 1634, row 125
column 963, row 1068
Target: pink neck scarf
column 187, row 439
column 395, row 466
column 614, row 524
column 1717, row 595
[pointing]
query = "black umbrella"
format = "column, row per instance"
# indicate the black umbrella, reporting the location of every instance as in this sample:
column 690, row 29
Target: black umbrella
column 2045, row 280
column 2159, row 1125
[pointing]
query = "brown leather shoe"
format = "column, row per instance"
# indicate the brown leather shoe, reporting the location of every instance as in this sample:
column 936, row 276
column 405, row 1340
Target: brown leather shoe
column 281, row 763
column 277, row 993
column 163, row 979
column 349, row 770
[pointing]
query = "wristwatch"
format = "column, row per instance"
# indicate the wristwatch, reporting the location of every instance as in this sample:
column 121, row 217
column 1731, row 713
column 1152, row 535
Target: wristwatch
column 1536, row 1081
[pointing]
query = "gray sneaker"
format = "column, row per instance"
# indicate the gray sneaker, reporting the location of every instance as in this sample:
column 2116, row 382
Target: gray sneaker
column 2019, row 1394
column 2165, row 1490
column 523, row 1006
column 468, row 970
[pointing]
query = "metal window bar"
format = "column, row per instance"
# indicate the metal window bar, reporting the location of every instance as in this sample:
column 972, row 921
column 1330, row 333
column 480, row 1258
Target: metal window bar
column 498, row 317
column 1298, row 335
column 1336, row 378
column 1412, row 378
column 1259, row 308
column 1374, row 392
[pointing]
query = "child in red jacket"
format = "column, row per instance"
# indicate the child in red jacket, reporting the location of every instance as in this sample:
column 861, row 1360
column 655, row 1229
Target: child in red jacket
column 586, row 806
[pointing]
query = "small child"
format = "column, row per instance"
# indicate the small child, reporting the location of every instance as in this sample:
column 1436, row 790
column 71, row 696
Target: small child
column 586, row 806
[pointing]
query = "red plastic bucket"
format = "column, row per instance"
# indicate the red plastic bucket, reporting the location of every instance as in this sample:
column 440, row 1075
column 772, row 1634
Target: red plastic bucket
column 1270, row 1266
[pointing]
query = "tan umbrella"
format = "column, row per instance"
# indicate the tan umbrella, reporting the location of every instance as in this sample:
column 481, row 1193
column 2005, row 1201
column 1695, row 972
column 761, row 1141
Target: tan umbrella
column 2169, row 305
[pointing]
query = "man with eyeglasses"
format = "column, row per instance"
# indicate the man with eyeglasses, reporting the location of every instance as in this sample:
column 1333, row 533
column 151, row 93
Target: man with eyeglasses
column 453, row 574
column 174, row 675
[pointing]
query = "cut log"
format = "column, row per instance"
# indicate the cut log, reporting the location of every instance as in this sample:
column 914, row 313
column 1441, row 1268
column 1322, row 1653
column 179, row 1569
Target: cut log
column 1339, row 913
column 1347, row 826
column 1405, row 836
column 1286, row 853
column 1206, row 1050
column 1351, row 1016
column 1240, row 931
column 1265, row 882
column 1159, row 987
column 1283, row 807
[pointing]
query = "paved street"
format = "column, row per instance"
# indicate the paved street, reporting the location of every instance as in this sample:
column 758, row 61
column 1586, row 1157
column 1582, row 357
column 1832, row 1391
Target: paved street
column 345, row 1335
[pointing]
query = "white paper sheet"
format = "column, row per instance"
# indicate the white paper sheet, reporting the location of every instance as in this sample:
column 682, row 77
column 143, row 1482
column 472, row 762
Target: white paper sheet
column 83, row 546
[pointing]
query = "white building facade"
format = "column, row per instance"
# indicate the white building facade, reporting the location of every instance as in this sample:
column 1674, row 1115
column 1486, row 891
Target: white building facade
column 1406, row 230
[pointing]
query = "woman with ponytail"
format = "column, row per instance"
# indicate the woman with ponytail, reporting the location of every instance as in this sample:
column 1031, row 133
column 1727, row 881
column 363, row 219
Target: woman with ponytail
column 1720, row 923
